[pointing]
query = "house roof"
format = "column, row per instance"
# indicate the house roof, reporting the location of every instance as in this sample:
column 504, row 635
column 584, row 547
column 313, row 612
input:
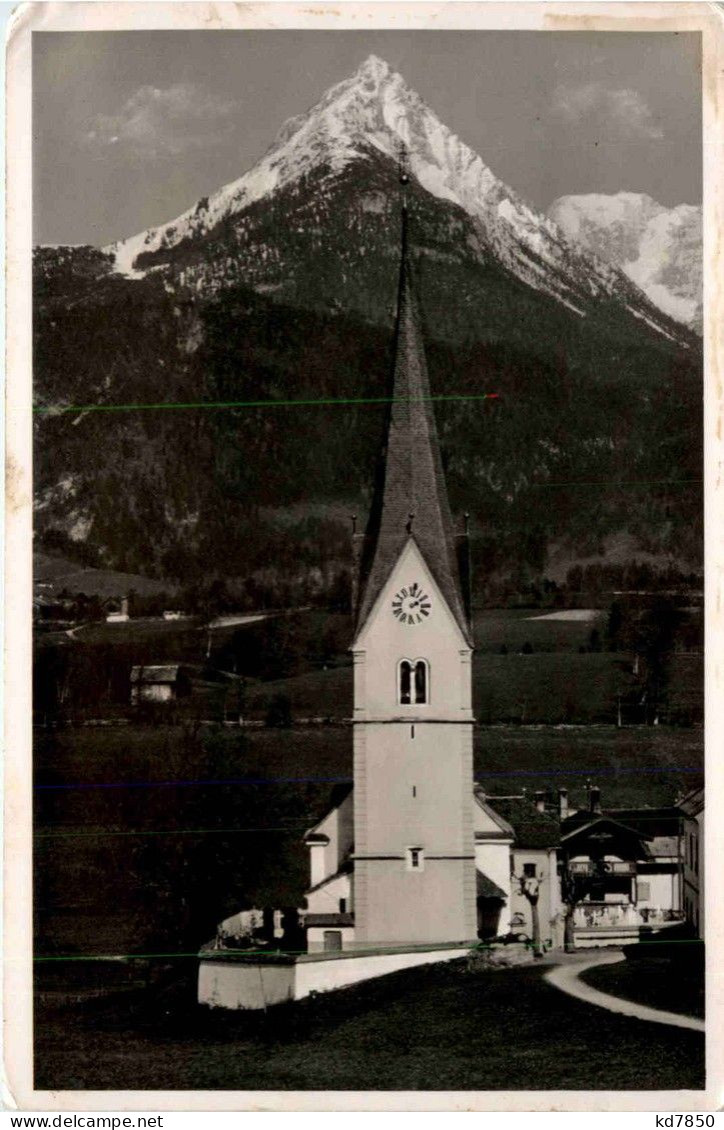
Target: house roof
column 161, row 673
column 533, row 829
column 345, row 868
column 485, row 888
column 594, row 821
column 337, row 796
column 634, row 841
column 693, row 803
column 506, row 830
column 649, row 822
column 410, row 499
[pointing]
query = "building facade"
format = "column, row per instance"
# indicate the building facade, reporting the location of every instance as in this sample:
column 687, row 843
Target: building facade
column 692, row 808
column 626, row 865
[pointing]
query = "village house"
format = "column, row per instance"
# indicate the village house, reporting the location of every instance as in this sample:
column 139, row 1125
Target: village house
column 533, row 867
column 628, row 866
column 118, row 615
column 692, row 809
column 159, row 683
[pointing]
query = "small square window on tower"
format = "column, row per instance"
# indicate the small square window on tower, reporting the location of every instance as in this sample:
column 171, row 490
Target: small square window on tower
column 529, row 870
column 415, row 859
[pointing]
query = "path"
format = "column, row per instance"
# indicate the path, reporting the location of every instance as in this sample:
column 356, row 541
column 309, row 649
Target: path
column 235, row 619
column 566, row 978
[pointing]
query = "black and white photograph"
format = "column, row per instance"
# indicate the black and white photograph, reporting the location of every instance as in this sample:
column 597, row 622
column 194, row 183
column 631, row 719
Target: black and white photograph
column 368, row 576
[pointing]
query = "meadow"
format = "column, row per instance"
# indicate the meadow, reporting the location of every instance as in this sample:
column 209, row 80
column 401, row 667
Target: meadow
column 450, row 1027
column 527, row 668
column 657, row 984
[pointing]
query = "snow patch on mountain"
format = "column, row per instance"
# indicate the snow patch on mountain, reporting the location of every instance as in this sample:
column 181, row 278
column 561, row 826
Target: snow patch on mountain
column 660, row 249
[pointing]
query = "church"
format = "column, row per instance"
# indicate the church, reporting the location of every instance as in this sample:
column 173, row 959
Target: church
column 394, row 861
column 410, row 864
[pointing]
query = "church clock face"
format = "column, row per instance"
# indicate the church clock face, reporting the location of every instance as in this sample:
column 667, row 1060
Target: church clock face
column 411, row 605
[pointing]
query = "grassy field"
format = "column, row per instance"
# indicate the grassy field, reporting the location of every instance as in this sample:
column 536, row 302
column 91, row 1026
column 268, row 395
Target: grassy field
column 439, row 1028
column 525, row 669
column 513, row 628
column 674, row 987
column 637, row 765
column 545, row 687
column 59, row 573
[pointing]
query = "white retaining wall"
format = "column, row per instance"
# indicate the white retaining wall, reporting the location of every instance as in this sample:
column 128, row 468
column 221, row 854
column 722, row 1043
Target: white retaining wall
column 244, row 986
column 255, row 985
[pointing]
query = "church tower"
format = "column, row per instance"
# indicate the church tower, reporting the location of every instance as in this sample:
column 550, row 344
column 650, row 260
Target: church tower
column 414, row 852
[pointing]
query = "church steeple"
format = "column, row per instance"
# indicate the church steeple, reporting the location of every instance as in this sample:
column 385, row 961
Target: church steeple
column 410, row 498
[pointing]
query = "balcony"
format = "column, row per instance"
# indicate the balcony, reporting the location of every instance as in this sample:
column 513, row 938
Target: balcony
column 617, row 867
column 620, row 918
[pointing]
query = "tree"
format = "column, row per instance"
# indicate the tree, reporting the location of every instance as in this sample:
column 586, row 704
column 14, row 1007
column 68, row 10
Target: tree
column 614, row 626
column 575, row 886
column 657, row 630
column 279, row 712
column 211, row 841
column 529, row 885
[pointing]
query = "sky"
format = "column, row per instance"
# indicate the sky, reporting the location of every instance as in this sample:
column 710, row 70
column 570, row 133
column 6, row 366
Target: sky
column 132, row 128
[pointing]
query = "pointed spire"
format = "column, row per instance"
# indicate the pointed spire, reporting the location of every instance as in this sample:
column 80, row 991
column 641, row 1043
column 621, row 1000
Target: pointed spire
column 410, row 500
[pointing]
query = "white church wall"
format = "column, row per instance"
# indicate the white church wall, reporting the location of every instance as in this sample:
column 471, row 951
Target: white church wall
column 317, row 943
column 256, row 985
column 338, row 827
column 326, row 899
column 493, row 859
column 418, row 774
column 317, row 864
column 405, row 907
column 321, row 976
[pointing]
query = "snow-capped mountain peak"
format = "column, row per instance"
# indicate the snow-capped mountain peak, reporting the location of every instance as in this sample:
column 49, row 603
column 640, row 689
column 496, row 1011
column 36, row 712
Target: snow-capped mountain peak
column 373, row 108
column 374, row 112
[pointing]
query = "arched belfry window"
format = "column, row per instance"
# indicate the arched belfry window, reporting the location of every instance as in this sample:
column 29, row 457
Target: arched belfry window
column 420, row 681
column 413, row 682
column 405, row 682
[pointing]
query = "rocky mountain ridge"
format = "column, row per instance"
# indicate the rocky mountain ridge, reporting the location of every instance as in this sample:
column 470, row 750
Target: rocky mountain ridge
column 660, row 249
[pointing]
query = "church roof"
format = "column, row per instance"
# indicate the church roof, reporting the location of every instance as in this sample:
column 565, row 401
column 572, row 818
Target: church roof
column 533, row 829
column 337, row 797
column 485, row 888
column 410, row 498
